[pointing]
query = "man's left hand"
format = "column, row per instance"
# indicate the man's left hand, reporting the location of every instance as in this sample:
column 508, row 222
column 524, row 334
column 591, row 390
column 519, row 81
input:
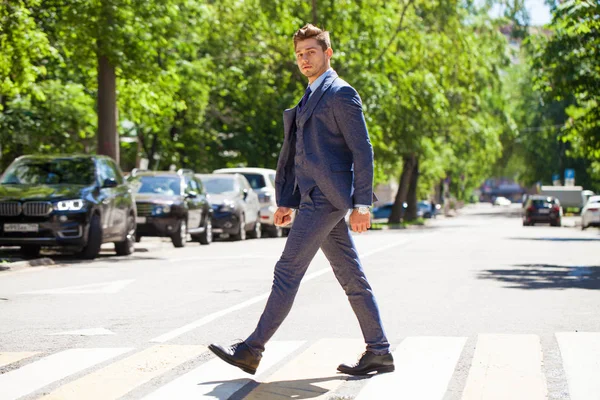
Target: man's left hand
column 360, row 222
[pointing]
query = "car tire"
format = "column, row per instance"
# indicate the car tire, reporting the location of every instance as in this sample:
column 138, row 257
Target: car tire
column 558, row 223
column 525, row 223
column 31, row 250
column 241, row 235
column 206, row 237
column 179, row 238
column 92, row 247
column 138, row 237
column 127, row 246
column 256, row 232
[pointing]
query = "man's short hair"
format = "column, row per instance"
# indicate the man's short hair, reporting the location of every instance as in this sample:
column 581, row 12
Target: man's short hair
column 309, row 31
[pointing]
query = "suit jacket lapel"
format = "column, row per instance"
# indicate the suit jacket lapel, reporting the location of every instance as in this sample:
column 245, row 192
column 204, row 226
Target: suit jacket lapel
column 308, row 109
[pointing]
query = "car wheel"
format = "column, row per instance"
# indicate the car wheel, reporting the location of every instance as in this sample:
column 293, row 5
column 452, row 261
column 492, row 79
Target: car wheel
column 241, row 235
column 138, row 237
column 525, row 223
column 206, row 237
column 31, row 250
column 92, row 247
column 257, row 231
column 179, row 238
column 557, row 223
column 127, row 246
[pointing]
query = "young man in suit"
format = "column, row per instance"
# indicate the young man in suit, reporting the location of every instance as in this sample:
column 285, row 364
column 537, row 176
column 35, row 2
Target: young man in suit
column 325, row 168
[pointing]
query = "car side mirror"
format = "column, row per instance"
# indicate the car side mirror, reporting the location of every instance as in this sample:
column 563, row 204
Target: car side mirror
column 110, row 183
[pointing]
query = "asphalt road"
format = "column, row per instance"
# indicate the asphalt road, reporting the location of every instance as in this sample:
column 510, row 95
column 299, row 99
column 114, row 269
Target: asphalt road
column 476, row 307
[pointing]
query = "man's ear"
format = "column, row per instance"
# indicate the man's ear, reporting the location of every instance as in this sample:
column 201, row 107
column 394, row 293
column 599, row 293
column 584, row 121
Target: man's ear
column 329, row 52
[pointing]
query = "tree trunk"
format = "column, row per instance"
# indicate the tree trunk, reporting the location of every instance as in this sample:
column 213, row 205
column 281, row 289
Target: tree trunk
column 108, row 140
column 411, row 209
column 314, row 12
column 397, row 209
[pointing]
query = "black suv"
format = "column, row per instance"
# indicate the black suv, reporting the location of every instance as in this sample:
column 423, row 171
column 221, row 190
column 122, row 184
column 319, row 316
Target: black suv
column 544, row 209
column 171, row 204
column 74, row 201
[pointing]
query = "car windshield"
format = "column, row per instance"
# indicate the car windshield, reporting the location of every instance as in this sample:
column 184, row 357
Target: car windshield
column 257, row 181
column 219, row 185
column 59, row 171
column 539, row 203
column 161, row 185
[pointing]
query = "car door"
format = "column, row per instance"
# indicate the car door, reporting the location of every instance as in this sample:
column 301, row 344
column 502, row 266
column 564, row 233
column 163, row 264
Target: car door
column 106, row 199
column 250, row 198
column 194, row 203
column 123, row 201
column 203, row 202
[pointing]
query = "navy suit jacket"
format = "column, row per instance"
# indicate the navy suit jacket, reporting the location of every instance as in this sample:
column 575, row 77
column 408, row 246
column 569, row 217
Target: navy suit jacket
column 338, row 152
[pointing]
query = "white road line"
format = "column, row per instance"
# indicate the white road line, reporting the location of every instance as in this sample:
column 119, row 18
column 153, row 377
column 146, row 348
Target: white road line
column 211, row 317
column 93, row 288
column 119, row 378
column 506, row 367
column 9, row 358
column 85, row 332
column 310, row 375
column 49, row 369
column 424, row 367
column 217, row 380
column 580, row 352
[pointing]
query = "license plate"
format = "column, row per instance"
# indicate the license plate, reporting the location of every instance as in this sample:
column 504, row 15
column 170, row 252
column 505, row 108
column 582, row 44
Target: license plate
column 140, row 220
column 544, row 211
column 21, row 228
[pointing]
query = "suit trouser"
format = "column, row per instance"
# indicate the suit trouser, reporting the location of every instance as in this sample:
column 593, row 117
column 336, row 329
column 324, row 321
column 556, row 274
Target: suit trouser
column 320, row 224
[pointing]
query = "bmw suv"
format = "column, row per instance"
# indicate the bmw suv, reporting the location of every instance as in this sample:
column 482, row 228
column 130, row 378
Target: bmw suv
column 73, row 201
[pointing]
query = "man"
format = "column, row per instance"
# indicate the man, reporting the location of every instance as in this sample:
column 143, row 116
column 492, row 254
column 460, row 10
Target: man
column 325, row 168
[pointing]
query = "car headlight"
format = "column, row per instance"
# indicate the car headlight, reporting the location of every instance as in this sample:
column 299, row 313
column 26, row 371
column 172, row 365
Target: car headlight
column 161, row 209
column 70, row 205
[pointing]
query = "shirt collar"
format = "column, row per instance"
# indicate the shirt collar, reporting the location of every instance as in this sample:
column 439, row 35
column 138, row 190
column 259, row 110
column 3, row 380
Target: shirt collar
column 315, row 85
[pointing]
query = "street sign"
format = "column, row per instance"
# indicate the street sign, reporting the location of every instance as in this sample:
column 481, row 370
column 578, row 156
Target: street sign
column 556, row 179
column 569, row 177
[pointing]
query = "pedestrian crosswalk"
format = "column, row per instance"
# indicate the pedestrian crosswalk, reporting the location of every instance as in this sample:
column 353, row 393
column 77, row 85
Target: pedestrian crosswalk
column 498, row 366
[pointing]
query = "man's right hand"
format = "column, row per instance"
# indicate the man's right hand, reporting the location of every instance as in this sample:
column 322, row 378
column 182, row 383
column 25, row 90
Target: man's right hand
column 283, row 216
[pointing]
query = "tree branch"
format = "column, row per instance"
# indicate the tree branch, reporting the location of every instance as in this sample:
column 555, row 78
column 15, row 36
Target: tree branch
column 386, row 48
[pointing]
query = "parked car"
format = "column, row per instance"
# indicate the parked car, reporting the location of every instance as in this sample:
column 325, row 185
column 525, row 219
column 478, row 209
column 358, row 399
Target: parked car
column 171, row 204
column 590, row 215
column 424, row 209
column 73, row 201
column 502, row 201
column 542, row 209
column 262, row 181
column 236, row 209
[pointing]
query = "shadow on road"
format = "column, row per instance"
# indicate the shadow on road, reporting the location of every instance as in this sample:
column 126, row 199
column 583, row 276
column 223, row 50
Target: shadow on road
column 546, row 276
column 292, row 389
column 557, row 239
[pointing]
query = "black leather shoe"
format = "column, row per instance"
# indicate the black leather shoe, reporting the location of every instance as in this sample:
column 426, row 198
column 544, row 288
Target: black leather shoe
column 369, row 362
column 239, row 355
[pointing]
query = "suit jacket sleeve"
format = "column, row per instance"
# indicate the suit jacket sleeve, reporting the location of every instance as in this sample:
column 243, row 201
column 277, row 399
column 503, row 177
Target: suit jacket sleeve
column 347, row 108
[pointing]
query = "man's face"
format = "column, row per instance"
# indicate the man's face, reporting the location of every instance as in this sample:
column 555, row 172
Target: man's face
column 312, row 59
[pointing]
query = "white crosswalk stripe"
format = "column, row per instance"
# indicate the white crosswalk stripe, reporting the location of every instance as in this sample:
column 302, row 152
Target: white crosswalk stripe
column 424, row 366
column 506, row 367
column 218, row 380
column 581, row 360
column 501, row 366
column 27, row 379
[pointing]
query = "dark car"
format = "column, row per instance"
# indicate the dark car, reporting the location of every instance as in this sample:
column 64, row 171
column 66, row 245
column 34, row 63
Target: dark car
column 76, row 201
column 542, row 209
column 236, row 209
column 171, row 204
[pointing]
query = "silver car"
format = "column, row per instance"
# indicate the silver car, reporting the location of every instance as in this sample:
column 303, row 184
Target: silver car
column 262, row 181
